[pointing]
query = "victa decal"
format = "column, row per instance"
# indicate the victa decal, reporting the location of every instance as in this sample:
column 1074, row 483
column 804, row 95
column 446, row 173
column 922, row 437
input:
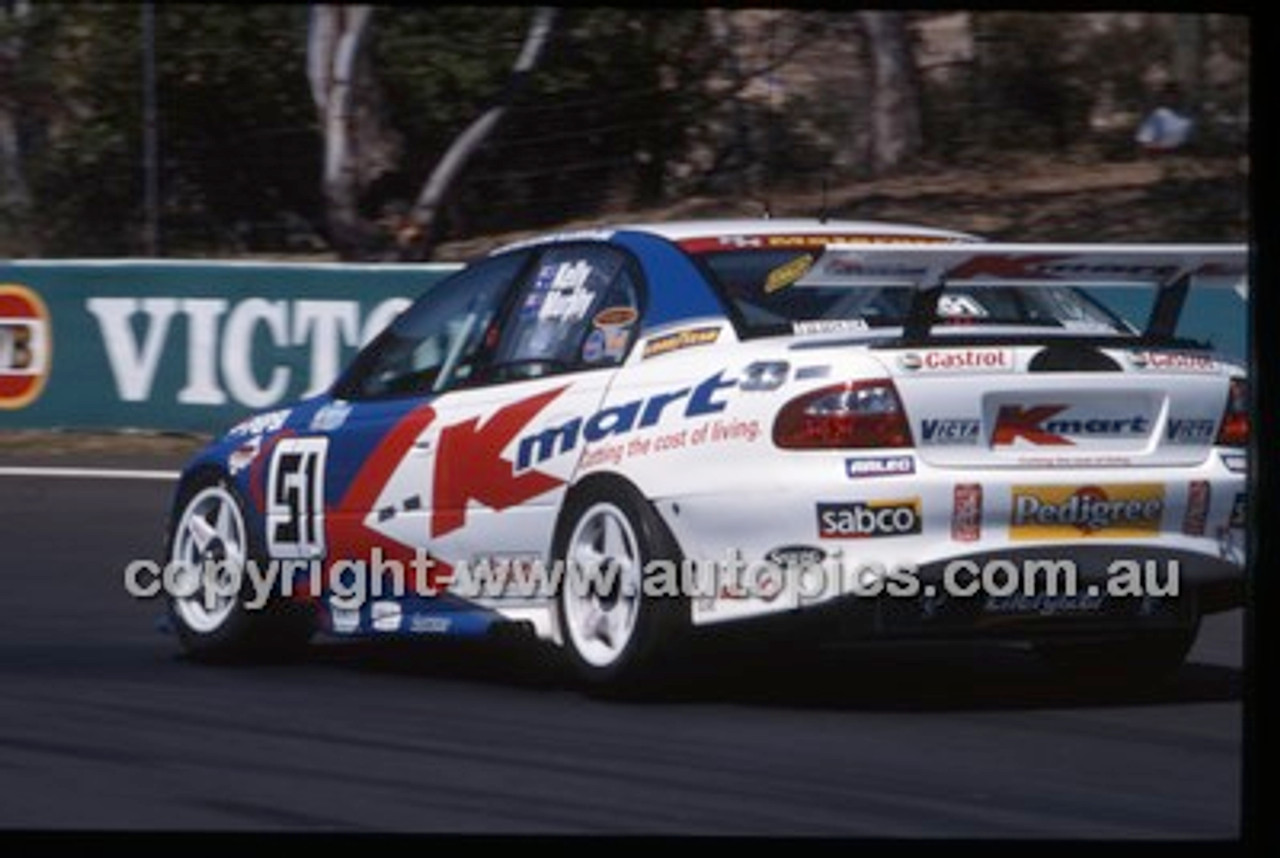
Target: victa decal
column 1069, row 512
column 863, row 519
column 950, row 430
column 1198, row 431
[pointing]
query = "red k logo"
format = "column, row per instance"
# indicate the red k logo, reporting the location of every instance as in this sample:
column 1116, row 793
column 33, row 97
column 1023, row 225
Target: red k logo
column 469, row 465
column 1015, row 422
column 1006, row 267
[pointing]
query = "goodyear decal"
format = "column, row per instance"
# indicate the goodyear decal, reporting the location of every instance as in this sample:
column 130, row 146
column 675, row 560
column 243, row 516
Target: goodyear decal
column 681, row 340
column 1080, row 512
column 26, row 346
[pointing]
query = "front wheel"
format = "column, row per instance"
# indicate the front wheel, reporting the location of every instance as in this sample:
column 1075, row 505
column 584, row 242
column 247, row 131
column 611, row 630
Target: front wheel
column 617, row 635
column 212, row 603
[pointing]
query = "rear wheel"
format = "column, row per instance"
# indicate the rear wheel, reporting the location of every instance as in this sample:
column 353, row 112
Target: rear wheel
column 1141, row 660
column 617, row 636
column 209, row 544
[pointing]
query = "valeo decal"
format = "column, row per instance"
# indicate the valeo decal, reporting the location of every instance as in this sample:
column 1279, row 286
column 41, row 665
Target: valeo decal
column 1076, row 512
column 26, row 345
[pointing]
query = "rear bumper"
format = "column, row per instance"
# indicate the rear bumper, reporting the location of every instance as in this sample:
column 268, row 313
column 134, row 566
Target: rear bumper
column 1206, row 585
column 1191, row 529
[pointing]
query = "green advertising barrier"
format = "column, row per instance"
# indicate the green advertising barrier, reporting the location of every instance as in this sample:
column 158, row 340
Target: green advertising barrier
column 196, row 346
column 1219, row 317
column 183, row 346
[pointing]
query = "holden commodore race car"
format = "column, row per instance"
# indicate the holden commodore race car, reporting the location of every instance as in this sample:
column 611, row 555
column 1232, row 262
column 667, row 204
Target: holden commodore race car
column 617, row 440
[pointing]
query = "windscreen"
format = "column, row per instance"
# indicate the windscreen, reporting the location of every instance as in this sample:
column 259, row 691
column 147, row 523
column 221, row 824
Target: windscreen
column 760, row 286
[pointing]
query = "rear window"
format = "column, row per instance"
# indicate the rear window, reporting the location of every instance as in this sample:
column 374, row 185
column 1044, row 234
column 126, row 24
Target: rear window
column 760, row 287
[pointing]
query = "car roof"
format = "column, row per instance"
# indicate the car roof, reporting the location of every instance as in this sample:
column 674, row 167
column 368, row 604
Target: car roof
column 713, row 228
column 683, row 230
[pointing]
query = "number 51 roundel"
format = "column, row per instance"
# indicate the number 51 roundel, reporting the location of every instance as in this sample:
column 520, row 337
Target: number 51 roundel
column 295, row 498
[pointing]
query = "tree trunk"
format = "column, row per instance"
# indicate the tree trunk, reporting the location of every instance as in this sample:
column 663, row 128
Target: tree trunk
column 895, row 97
column 358, row 145
column 422, row 231
column 15, row 194
column 732, row 137
column 1188, row 59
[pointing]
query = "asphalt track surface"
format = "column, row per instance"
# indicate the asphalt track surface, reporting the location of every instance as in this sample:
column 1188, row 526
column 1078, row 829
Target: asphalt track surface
column 104, row 726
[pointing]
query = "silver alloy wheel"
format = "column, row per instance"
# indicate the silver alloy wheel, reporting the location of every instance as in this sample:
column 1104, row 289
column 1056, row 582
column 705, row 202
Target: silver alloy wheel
column 600, row 592
column 211, row 530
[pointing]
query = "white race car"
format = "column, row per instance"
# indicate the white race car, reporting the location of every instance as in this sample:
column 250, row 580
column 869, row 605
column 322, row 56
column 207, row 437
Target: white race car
column 613, row 438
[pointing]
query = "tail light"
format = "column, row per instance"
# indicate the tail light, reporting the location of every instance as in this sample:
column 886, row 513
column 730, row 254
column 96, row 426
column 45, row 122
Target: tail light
column 858, row 414
column 1234, row 431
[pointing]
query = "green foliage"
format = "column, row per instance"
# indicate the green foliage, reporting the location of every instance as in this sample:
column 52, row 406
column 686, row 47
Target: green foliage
column 1029, row 84
column 238, row 128
column 608, row 106
column 620, row 112
column 84, row 108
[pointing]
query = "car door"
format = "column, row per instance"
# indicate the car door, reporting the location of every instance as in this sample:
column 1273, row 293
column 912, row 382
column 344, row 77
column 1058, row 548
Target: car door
column 353, row 483
column 455, row 431
column 507, row 442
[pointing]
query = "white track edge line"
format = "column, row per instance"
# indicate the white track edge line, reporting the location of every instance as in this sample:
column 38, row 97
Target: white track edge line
column 90, row 473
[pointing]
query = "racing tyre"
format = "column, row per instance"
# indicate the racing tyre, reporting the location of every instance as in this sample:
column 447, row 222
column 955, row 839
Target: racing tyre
column 617, row 638
column 1140, row 660
column 214, row 622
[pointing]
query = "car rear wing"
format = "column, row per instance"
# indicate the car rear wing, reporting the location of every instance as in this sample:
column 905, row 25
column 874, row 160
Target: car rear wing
column 1171, row 269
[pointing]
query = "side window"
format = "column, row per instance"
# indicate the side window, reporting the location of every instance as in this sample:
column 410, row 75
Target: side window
column 438, row 342
column 577, row 309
